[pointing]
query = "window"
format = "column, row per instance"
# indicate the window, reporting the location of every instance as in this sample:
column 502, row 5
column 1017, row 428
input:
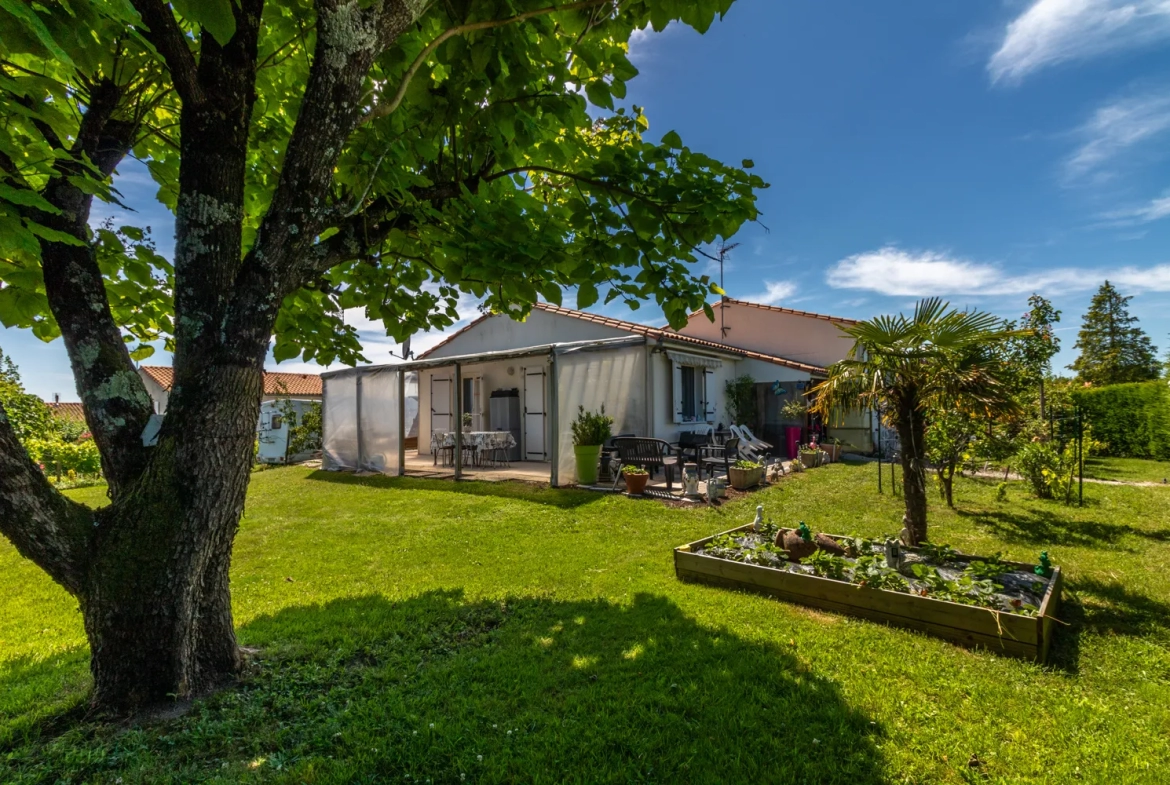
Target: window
column 471, row 401
column 690, row 395
column 277, row 422
column 693, row 386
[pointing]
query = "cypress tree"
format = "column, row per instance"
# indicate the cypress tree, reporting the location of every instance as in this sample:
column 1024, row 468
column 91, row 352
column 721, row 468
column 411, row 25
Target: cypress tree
column 1113, row 348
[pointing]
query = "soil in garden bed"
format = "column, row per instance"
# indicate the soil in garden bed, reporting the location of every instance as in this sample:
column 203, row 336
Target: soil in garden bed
column 937, row 572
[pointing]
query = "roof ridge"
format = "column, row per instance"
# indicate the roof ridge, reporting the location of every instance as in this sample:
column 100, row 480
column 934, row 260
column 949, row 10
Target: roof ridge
column 782, row 309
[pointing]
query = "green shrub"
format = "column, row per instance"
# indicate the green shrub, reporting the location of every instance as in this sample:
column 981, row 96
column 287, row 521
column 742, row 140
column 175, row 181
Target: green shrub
column 591, row 429
column 1130, row 420
column 61, row 457
column 740, row 395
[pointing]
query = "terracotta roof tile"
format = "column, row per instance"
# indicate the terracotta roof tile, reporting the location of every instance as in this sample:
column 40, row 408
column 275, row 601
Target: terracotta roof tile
column 275, row 382
column 68, row 411
column 650, row 332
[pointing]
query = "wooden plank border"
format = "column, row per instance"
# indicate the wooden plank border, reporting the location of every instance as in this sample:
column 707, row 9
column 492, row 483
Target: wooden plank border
column 1028, row 637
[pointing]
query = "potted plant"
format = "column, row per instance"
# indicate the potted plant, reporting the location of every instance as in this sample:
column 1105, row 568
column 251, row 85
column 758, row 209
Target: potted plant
column 636, row 478
column 810, row 455
column 467, row 421
column 745, row 474
column 590, row 432
column 833, row 450
column 796, row 409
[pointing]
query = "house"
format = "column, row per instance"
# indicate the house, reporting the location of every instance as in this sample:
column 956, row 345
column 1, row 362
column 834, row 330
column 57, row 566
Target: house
column 804, row 336
column 652, row 381
column 286, row 398
column 73, row 411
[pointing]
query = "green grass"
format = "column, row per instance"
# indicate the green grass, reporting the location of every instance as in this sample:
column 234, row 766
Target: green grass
column 1127, row 469
column 414, row 630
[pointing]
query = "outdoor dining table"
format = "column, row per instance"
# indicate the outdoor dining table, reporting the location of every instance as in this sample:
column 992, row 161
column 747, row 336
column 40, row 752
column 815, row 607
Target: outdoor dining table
column 479, row 442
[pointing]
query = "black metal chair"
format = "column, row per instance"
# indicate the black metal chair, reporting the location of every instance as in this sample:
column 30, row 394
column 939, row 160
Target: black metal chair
column 650, row 454
column 719, row 457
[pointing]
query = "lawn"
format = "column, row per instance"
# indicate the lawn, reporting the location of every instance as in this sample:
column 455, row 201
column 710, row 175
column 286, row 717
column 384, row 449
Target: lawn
column 415, row 631
column 1127, row 469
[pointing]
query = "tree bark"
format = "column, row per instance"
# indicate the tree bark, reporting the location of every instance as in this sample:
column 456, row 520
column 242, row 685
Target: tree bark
column 912, row 434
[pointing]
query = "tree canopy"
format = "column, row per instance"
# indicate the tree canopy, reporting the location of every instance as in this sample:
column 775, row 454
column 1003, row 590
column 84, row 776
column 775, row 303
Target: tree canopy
column 1113, row 348
column 482, row 153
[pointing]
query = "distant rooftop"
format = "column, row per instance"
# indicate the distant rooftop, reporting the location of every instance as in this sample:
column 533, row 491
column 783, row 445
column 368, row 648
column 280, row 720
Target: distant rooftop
column 275, row 382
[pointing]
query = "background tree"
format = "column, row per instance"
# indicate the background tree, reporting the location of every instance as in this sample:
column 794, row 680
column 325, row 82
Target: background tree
column 318, row 155
column 28, row 415
column 1031, row 352
column 1113, row 348
column 938, row 359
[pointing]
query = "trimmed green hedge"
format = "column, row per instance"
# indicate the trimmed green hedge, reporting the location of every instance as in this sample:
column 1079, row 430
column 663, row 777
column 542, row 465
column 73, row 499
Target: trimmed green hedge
column 1132, row 420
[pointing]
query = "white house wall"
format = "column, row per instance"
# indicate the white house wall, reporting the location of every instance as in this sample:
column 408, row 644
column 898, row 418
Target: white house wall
column 501, row 333
column 663, row 406
column 805, row 339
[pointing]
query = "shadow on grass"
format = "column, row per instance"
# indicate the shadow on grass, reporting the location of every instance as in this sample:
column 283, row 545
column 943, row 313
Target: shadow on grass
column 1100, row 608
column 1051, row 527
column 564, row 498
column 526, row 690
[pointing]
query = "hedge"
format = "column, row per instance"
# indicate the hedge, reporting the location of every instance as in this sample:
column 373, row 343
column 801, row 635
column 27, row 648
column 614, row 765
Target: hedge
column 60, row 456
column 1132, row 420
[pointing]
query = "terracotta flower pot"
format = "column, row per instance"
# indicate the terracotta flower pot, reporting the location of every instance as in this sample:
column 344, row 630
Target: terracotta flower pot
column 833, row 451
column 636, row 483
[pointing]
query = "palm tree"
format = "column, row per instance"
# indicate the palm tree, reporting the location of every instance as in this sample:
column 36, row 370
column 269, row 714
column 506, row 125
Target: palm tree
column 938, row 359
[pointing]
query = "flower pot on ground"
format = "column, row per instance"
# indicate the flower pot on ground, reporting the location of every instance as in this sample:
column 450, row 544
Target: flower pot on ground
column 833, row 451
column 636, row 478
column 810, row 458
column 745, row 474
column 590, row 432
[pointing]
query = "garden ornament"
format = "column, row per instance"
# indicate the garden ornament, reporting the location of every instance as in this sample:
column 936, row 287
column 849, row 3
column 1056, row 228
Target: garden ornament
column 893, row 554
column 690, row 480
column 758, row 523
column 1044, row 568
column 804, row 532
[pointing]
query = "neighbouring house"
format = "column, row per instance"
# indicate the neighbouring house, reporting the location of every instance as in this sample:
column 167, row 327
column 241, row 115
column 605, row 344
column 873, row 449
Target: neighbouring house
column 286, row 398
column 803, row 336
column 529, row 378
column 67, row 410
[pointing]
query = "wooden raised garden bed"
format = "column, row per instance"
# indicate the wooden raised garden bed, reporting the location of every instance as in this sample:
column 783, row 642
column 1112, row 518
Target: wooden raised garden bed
column 1013, row 634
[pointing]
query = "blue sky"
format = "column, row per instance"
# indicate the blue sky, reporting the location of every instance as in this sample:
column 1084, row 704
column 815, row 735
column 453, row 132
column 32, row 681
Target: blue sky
column 979, row 151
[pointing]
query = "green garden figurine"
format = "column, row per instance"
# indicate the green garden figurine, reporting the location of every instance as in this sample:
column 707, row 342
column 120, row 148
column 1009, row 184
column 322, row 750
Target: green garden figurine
column 804, row 532
column 1044, row 567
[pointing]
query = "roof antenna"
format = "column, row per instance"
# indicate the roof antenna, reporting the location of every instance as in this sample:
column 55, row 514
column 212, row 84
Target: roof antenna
column 724, row 251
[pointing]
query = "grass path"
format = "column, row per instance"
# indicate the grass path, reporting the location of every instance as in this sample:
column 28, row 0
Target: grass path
column 413, row 630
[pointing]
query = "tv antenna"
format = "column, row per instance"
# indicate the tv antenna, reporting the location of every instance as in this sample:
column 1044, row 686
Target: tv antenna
column 725, row 250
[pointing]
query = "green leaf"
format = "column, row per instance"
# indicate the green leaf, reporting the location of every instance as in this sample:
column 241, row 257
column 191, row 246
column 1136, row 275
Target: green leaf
column 26, row 198
column 598, row 94
column 586, row 295
column 23, row 11
column 672, row 140
column 52, row 235
column 142, row 352
column 215, row 16
column 748, row 163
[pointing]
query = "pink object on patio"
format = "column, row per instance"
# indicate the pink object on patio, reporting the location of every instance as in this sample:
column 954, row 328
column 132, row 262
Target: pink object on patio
column 792, row 433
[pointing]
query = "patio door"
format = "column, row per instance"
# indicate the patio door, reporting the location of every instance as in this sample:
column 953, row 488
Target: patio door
column 534, row 415
column 440, row 405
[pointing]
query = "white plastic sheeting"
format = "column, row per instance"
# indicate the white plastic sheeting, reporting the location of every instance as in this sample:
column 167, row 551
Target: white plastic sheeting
column 361, row 428
column 615, row 378
column 339, row 440
column 379, row 421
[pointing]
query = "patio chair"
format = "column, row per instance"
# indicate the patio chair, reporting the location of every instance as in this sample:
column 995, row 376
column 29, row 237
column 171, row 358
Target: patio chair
column 755, row 440
column 716, row 458
column 650, row 454
column 746, row 448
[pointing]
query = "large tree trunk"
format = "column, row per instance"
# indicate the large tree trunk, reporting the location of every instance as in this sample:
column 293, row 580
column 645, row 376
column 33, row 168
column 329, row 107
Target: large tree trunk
column 912, row 435
column 156, row 603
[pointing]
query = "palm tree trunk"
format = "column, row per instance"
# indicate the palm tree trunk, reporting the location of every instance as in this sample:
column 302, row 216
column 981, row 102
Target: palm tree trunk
column 912, row 434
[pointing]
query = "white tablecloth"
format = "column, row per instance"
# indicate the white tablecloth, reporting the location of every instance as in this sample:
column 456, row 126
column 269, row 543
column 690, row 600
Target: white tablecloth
column 480, row 440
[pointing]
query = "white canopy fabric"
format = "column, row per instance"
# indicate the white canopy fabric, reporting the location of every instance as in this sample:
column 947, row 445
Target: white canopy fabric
column 361, row 428
column 613, row 378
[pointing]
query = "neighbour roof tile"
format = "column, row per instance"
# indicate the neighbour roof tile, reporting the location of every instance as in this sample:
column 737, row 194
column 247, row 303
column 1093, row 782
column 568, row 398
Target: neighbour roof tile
column 275, row 382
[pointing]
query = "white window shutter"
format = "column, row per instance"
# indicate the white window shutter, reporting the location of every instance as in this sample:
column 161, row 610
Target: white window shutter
column 676, row 390
column 708, row 395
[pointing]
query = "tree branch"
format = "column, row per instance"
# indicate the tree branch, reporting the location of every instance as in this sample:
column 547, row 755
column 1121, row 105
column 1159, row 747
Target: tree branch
column 164, row 33
column 389, row 107
column 45, row 526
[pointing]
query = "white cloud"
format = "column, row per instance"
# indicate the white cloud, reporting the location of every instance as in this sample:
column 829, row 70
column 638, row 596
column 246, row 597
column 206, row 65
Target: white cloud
column 1056, row 31
column 895, row 272
column 775, row 292
column 1154, row 210
column 1115, row 128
